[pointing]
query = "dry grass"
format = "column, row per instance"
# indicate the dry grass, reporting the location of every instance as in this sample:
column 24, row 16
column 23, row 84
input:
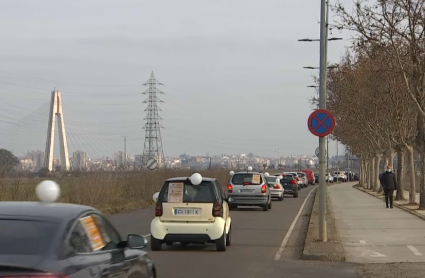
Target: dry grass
column 109, row 192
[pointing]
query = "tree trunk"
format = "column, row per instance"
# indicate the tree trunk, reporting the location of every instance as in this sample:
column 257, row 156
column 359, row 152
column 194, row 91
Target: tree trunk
column 420, row 144
column 412, row 185
column 362, row 172
column 390, row 158
column 376, row 183
column 400, row 173
column 422, row 183
column 371, row 173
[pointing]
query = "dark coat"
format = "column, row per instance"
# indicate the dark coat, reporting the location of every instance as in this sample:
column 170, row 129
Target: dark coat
column 389, row 181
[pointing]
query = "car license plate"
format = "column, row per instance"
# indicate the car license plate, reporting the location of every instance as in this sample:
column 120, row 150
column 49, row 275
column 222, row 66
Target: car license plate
column 246, row 190
column 185, row 211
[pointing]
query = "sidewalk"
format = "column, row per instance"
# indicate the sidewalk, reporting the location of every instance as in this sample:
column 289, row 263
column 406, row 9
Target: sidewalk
column 402, row 204
column 371, row 233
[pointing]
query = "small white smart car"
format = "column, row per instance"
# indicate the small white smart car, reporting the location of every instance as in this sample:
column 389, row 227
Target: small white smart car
column 191, row 210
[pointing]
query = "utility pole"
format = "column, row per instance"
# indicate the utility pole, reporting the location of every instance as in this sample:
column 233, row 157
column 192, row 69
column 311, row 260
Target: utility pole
column 337, row 157
column 322, row 105
column 125, row 153
column 327, row 158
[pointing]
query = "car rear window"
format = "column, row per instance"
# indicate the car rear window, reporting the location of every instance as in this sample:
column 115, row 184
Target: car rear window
column 301, row 175
column 287, row 178
column 186, row 192
column 240, row 179
column 271, row 179
column 25, row 237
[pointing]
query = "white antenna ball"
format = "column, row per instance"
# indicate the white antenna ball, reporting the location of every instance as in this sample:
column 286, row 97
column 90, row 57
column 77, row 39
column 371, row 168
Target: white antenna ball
column 48, row 191
column 280, row 177
column 249, row 168
column 266, row 174
column 196, row 179
column 231, row 173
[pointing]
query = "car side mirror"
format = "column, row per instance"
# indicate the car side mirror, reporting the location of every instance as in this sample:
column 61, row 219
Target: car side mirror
column 136, row 241
column 155, row 197
column 230, row 200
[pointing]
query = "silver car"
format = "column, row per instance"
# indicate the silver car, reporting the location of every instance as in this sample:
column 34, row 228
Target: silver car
column 303, row 177
column 249, row 189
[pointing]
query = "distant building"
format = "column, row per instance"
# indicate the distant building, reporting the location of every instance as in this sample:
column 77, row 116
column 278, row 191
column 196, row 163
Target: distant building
column 38, row 158
column 79, row 160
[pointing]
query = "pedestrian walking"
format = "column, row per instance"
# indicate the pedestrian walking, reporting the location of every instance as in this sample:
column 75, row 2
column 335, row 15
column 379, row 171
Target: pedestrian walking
column 389, row 184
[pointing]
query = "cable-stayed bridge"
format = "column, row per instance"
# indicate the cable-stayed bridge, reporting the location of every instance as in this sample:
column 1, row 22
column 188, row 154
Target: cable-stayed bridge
column 49, row 133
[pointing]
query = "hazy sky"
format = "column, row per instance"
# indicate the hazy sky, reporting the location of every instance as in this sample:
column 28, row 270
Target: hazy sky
column 232, row 73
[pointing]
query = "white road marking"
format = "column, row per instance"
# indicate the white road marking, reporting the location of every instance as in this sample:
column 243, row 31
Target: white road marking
column 291, row 228
column 363, row 241
column 377, row 255
column 414, row 250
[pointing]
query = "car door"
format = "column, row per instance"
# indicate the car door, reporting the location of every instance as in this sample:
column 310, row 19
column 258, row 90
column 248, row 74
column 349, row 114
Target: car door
column 86, row 261
column 134, row 263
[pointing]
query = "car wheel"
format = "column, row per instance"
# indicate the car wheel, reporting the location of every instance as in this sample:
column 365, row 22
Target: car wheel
column 265, row 207
column 231, row 207
column 156, row 244
column 281, row 198
column 220, row 244
column 229, row 237
column 295, row 195
column 169, row 243
column 270, row 205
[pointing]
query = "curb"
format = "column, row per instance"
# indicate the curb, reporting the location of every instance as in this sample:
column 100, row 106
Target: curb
column 335, row 255
column 394, row 204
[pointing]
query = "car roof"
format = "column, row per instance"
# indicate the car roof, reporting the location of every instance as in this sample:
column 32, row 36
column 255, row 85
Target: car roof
column 52, row 211
column 188, row 178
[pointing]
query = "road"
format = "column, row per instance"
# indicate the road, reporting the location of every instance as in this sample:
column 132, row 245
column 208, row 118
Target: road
column 256, row 245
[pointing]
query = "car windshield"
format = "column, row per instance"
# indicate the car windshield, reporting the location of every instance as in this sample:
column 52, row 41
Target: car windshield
column 302, row 175
column 186, row 192
column 25, row 237
column 244, row 178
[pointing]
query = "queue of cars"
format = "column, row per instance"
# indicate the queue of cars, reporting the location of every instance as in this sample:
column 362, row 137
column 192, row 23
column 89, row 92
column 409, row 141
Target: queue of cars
column 196, row 209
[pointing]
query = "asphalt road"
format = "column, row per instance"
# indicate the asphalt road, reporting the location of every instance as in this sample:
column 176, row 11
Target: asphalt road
column 256, row 245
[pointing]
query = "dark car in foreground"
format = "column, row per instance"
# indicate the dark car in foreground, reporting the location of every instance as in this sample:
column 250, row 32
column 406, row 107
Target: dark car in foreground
column 52, row 240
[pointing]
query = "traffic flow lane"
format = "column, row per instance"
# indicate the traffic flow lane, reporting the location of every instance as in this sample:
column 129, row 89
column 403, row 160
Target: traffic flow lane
column 256, row 238
column 134, row 222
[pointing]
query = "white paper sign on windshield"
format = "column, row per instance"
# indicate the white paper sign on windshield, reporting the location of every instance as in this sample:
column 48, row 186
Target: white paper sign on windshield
column 175, row 192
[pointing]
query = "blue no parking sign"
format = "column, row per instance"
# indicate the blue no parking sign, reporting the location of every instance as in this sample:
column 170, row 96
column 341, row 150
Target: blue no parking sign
column 321, row 123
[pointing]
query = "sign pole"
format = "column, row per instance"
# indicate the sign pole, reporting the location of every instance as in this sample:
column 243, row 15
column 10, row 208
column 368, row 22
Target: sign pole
column 322, row 141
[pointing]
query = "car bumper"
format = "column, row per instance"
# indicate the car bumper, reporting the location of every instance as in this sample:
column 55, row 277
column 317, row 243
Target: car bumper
column 241, row 199
column 276, row 193
column 187, row 232
column 290, row 190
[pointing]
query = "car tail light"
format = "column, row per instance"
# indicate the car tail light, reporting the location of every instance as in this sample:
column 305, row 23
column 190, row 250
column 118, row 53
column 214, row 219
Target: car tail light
column 229, row 188
column 217, row 209
column 264, row 189
column 246, row 183
column 276, row 186
column 293, row 182
column 158, row 209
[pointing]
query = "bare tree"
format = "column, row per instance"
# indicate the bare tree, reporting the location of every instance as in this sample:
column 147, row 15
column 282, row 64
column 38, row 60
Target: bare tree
column 398, row 27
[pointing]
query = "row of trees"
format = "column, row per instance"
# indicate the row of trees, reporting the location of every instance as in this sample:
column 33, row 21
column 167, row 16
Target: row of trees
column 377, row 91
